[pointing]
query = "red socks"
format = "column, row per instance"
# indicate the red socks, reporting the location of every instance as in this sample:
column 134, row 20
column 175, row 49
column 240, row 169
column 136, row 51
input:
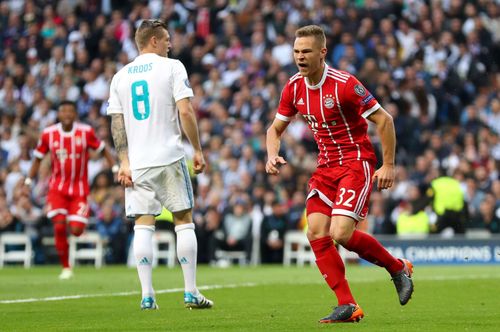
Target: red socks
column 61, row 242
column 368, row 248
column 332, row 268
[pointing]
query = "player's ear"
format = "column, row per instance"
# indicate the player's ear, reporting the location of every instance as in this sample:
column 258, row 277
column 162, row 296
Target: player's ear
column 323, row 51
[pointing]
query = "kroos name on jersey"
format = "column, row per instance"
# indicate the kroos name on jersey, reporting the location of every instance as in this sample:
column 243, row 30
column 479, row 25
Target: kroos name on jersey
column 140, row 68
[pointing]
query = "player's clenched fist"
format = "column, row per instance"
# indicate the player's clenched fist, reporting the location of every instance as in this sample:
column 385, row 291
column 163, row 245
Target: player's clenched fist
column 274, row 163
column 198, row 162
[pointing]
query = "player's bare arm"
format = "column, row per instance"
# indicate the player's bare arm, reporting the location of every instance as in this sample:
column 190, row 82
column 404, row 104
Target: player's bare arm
column 106, row 153
column 385, row 128
column 35, row 166
column 273, row 141
column 121, row 147
column 190, row 128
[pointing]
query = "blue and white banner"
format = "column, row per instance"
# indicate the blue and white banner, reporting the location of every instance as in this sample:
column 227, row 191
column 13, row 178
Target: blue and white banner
column 446, row 251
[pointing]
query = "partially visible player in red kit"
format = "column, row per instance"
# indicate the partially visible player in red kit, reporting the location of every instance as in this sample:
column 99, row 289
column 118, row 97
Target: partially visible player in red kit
column 335, row 105
column 69, row 143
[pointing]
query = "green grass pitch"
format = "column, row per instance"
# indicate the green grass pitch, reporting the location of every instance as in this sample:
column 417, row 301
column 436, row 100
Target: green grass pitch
column 267, row 298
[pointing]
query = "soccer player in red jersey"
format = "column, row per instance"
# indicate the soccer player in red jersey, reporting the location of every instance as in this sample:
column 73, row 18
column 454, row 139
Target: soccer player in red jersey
column 68, row 143
column 335, row 105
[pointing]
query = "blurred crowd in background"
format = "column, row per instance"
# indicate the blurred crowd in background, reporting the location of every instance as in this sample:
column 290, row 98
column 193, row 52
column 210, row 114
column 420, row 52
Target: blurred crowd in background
column 433, row 65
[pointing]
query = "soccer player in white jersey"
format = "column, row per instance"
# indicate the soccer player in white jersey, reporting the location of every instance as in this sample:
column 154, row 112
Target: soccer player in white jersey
column 147, row 99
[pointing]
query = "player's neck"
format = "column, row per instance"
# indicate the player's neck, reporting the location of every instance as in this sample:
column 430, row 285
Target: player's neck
column 150, row 51
column 315, row 77
column 67, row 128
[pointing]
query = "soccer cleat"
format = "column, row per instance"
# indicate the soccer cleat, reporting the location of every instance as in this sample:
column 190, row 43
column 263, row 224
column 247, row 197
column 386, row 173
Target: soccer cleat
column 149, row 303
column 402, row 281
column 192, row 301
column 344, row 314
column 66, row 274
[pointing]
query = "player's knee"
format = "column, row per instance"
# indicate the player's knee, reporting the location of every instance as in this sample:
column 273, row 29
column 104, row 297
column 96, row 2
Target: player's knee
column 77, row 231
column 76, row 228
column 314, row 234
column 341, row 235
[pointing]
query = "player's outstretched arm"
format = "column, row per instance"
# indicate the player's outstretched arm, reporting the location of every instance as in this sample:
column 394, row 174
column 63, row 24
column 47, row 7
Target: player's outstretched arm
column 385, row 128
column 190, row 128
column 121, row 147
column 273, row 142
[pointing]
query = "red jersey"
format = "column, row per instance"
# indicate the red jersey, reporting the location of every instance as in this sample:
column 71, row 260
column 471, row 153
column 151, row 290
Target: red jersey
column 335, row 110
column 69, row 152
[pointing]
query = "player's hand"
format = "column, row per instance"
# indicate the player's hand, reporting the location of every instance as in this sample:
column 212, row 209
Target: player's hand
column 125, row 176
column 385, row 176
column 198, row 162
column 28, row 182
column 273, row 165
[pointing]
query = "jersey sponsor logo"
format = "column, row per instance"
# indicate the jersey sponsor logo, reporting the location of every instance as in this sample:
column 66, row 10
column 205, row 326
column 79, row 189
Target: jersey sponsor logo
column 360, row 91
column 367, row 99
column 328, row 101
column 313, row 123
column 186, row 82
column 300, row 102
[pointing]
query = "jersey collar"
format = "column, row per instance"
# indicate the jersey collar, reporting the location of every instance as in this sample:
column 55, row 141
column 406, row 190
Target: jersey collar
column 66, row 133
column 320, row 83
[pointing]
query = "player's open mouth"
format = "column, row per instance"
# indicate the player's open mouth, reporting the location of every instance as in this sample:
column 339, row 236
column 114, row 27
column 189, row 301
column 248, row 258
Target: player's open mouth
column 302, row 65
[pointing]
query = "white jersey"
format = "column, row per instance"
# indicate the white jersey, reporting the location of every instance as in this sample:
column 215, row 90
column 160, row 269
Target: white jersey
column 146, row 91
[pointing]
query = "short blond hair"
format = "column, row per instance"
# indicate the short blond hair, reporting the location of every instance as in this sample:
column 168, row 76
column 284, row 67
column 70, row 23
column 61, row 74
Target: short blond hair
column 312, row 31
column 148, row 29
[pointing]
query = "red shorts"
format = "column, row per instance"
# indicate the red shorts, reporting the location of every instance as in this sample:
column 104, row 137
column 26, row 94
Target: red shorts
column 75, row 208
column 345, row 189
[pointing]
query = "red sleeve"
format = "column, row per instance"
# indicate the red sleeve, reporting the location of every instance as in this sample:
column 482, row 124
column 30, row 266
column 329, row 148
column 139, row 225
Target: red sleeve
column 93, row 142
column 42, row 146
column 286, row 109
column 358, row 98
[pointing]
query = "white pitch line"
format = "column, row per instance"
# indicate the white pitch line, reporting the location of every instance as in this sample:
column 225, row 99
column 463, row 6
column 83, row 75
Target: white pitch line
column 248, row 284
column 84, row 296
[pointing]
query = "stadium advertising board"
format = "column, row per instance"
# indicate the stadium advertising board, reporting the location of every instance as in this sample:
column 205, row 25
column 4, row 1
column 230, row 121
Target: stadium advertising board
column 446, row 251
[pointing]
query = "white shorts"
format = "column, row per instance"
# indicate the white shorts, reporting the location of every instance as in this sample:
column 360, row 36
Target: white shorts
column 168, row 186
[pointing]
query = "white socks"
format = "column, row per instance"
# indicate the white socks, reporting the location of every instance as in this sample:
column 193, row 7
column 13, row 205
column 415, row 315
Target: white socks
column 187, row 249
column 143, row 252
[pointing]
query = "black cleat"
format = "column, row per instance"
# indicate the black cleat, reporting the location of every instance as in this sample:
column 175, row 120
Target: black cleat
column 402, row 281
column 343, row 314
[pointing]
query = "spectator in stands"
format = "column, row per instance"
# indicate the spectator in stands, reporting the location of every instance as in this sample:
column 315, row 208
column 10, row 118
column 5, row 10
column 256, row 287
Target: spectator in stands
column 236, row 228
column 208, row 221
column 272, row 235
column 413, row 219
column 449, row 205
column 112, row 230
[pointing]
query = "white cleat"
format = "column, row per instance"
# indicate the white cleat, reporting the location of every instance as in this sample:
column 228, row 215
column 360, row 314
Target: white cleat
column 197, row 301
column 67, row 273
